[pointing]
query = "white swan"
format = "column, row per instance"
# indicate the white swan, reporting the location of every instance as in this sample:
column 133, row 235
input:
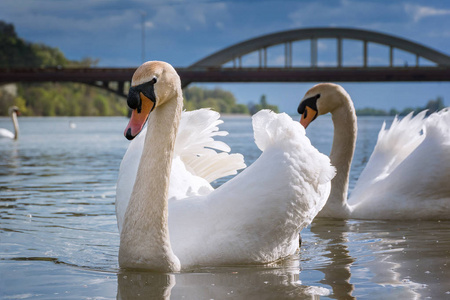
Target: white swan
column 5, row 133
column 407, row 175
column 255, row 217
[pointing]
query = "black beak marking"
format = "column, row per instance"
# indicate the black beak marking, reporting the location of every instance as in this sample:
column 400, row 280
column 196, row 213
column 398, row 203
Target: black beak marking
column 129, row 136
column 311, row 102
column 134, row 100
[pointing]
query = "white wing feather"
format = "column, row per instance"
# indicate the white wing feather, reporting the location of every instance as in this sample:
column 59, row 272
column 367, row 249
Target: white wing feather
column 408, row 172
column 198, row 150
column 257, row 215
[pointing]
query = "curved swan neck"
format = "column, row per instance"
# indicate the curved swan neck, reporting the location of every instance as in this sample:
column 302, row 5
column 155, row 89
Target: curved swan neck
column 345, row 130
column 16, row 124
column 144, row 241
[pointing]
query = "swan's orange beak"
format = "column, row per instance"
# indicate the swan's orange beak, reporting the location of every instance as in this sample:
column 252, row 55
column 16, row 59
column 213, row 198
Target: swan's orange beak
column 308, row 116
column 138, row 119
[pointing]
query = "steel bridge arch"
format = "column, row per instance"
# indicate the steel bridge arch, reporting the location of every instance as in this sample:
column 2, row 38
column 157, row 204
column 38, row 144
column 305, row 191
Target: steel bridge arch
column 285, row 37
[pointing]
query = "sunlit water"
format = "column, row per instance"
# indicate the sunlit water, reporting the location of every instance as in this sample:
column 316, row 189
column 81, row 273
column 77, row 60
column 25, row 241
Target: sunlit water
column 59, row 238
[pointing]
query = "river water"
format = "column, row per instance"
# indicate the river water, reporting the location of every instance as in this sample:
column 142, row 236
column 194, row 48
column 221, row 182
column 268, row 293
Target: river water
column 59, row 238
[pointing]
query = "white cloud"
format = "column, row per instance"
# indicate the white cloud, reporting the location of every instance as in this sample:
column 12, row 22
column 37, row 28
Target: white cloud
column 220, row 25
column 419, row 12
column 101, row 15
column 189, row 17
column 440, row 34
column 346, row 13
column 322, row 45
column 279, row 60
column 149, row 24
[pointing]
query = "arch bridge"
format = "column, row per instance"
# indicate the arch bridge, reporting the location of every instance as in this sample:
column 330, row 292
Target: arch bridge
column 229, row 61
column 251, row 61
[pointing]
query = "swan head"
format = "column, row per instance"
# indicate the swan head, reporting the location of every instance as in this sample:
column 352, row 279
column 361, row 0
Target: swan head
column 321, row 99
column 14, row 109
column 153, row 84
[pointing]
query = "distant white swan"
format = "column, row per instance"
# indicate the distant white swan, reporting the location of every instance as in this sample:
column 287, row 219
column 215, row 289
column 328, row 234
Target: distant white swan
column 255, row 217
column 72, row 125
column 408, row 173
column 5, row 133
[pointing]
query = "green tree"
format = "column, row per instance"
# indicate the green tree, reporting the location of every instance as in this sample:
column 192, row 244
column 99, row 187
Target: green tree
column 216, row 99
column 393, row 112
column 240, row 109
column 435, row 105
column 51, row 99
column 263, row 101
column 371, row 112
column 431, row 106
column 254, row 108
column 101, row 105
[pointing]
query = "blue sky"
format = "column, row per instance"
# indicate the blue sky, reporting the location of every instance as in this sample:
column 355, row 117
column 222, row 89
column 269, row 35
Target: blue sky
column 182, row 32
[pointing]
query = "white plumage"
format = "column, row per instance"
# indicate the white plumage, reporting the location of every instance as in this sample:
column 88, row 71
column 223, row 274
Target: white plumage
column 408, row 173
column 257, row 216
column 5, row 133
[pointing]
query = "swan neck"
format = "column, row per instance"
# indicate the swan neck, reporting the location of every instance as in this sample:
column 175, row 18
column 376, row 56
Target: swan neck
column 341, row 155
column 144, row 240
column 16, row 125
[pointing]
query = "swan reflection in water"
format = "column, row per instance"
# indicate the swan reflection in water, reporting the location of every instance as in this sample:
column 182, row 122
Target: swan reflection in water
column 333, row 239
column 407, row 259
column 355, row 259
column 257, row 282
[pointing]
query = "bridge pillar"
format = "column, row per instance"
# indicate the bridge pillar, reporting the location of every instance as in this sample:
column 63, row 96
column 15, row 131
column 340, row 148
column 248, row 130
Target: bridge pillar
column 288, row 54
column 260, row 58
column 120, row 87
column 313, row 52
column 265, row 57
column 391, row 56
column 365, row 54
column 339, row 52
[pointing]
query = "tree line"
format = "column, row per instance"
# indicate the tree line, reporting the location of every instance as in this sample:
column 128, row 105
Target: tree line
column 431, row 107
column 76, row 99
column 221, row 101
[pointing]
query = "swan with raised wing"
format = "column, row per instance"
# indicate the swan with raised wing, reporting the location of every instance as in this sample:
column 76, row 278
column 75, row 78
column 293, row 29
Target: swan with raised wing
column 254, row 218
column 5, row 133
column 407, row 175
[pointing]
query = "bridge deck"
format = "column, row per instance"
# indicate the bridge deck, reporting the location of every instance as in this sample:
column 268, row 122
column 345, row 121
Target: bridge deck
column 92, row 75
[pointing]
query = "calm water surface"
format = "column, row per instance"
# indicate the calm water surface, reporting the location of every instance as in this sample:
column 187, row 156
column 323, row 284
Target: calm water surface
column 59, row 238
